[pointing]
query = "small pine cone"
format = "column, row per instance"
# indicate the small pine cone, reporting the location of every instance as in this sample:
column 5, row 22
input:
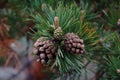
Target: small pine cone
column 44, row 49
column 73, row 43
column 58, row 33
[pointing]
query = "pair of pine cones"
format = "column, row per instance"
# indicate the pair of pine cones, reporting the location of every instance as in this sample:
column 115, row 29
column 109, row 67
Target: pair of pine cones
column 46, row 50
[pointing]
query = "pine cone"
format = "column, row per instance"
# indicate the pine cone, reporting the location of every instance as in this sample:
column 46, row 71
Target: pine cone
column 58, row 33
column 44, row 49
column 73, row 43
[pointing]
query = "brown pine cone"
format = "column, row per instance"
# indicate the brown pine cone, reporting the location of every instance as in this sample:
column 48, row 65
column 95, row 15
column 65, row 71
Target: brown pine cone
column 44, row 49
column 73, row 43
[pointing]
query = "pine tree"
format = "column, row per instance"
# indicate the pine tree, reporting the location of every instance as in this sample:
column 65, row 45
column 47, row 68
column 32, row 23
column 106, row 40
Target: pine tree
column 66, row 34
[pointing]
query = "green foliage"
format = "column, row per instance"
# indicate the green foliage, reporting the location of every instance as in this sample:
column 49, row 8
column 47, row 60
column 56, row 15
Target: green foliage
column 66, row 62
column 36, row 4
column 112, row 16
column 88, row 9
column 14, row 20
column 89, row 35
column 110, row 57
column 112, row 44
column 68, row 17
column 113, row 65
column 43, row 26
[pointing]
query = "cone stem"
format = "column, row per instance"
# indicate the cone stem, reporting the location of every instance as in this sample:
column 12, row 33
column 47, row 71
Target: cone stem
column 56, row 22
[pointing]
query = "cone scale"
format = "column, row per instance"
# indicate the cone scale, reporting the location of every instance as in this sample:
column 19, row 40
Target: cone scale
column 44, row 49
column 73, row 43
